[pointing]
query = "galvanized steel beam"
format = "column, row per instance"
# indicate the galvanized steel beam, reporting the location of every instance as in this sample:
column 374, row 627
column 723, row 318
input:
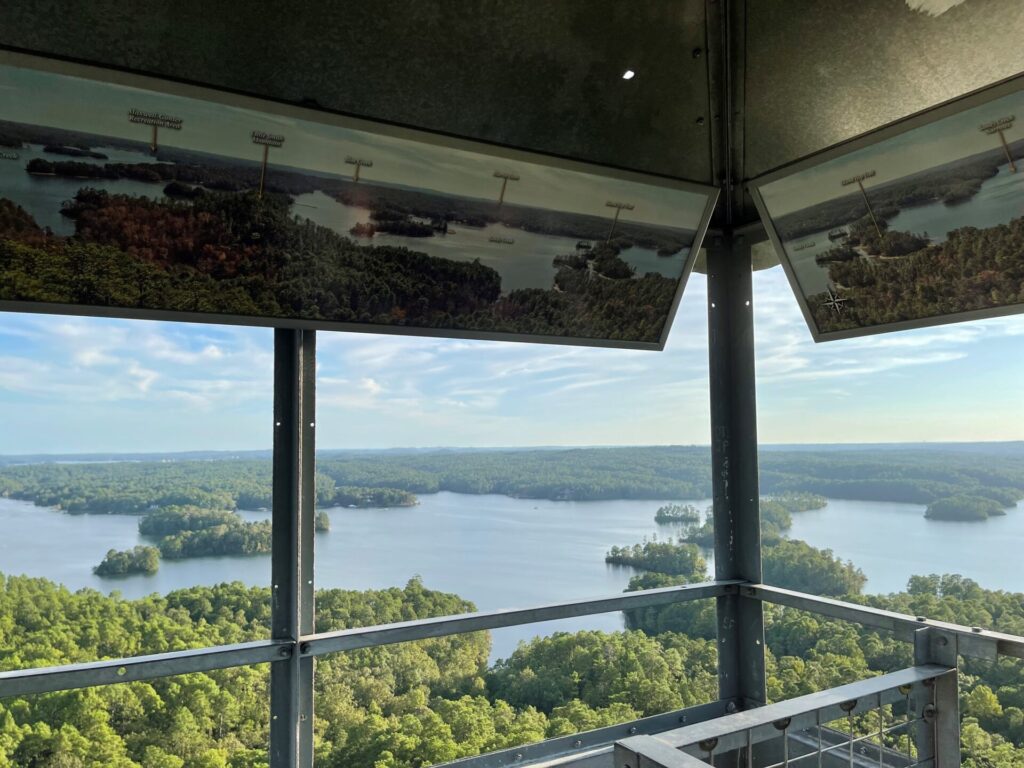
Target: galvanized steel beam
column 442, row 626
column 292, row 589
column 737, row 519
column 22, row 682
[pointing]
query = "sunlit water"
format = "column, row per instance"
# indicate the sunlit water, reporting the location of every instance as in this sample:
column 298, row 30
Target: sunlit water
column 502, row 552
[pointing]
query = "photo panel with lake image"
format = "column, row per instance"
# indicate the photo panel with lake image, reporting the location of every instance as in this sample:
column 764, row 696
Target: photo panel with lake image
column 136, row 197
column 917, row 224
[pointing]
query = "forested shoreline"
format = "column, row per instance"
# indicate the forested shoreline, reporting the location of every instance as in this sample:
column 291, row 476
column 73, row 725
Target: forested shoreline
column 908, row 475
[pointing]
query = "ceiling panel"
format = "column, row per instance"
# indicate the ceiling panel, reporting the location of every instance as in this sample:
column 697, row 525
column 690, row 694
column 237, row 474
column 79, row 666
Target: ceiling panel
column 528, row 73
column 819, row 72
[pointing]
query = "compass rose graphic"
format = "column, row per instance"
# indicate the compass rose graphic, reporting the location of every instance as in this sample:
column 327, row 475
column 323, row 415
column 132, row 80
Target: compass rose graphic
column 834, row 302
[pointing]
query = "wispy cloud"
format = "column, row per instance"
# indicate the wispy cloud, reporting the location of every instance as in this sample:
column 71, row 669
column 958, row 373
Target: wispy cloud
column 118, row 385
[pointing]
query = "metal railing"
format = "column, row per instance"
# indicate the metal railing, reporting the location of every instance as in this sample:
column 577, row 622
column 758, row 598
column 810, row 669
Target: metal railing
column 935, row 643
column 799, row 733
column 108, row 672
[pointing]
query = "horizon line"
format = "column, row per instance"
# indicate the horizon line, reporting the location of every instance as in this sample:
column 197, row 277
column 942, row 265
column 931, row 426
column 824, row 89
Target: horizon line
column 269, row 449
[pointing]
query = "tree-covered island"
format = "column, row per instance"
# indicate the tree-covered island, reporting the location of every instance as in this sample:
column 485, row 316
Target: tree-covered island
column 964, row 508
column 125, row 563
column 677, row 513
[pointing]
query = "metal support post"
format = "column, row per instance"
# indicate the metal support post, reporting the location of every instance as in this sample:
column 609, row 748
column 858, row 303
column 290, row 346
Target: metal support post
column 737, row 518
column 941, row 735
column 291, row 682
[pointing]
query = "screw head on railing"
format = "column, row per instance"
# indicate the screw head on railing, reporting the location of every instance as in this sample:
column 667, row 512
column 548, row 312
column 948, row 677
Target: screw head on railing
column 921, row 618
column 304, row 648
column 905, row 689
column 928, row 712
column 577, row 744
column 731, row 707
column 783, row 724
column 519, row 756
column 632, row 730
column 976, row 629
column 285, row 652
column 708, row 745
column 848, row 706
column 942, row 640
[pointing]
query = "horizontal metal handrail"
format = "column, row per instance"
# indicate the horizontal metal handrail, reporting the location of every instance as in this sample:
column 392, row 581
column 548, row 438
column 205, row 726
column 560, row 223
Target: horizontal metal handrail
column 599, row 741
column 748, row 727
column 20, row 682
column 127, row 669
column 421, row 629
column 971, row 641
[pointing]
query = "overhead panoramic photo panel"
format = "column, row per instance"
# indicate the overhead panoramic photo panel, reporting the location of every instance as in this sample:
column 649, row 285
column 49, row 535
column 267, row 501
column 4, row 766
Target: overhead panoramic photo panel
column 120, row 195
column 922, row 225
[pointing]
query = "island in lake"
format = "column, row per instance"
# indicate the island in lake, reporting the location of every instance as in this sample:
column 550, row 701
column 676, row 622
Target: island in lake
column 964, row 508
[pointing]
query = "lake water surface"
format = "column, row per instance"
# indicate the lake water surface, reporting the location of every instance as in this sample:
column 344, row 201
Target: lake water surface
column 502, row 552
column 526, row 262
column 42, row 196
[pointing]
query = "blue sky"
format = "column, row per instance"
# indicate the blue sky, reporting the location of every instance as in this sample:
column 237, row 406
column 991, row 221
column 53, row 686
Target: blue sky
column 82, row 385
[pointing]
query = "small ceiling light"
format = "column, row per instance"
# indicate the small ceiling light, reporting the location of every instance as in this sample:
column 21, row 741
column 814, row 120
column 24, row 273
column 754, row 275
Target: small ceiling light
column 629, row 74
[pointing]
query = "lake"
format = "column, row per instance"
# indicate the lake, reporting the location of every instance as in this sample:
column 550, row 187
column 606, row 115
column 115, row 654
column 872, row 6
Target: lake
column 1000, row 199
column 42, row 196
column 525, row 263
column 502, row 552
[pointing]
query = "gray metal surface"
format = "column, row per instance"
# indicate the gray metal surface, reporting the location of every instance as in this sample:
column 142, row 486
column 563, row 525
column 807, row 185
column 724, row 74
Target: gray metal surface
column 651, row 752
column 406, row 631
column 971, row 641
column 292, row 589
column 750, row 727
column 942, row 739
column 737, row 519
column 591, row 744
column 527, row 73
column 823, row 71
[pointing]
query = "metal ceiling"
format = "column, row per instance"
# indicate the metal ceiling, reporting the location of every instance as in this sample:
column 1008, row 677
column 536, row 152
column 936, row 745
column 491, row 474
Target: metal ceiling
column 794, row 76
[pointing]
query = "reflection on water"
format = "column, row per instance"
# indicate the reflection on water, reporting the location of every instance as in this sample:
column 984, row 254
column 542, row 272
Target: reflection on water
column 42, row 196
column 526, row 262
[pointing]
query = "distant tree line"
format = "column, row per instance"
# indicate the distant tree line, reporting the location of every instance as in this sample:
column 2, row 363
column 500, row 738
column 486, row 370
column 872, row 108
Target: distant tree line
column 798, row 479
